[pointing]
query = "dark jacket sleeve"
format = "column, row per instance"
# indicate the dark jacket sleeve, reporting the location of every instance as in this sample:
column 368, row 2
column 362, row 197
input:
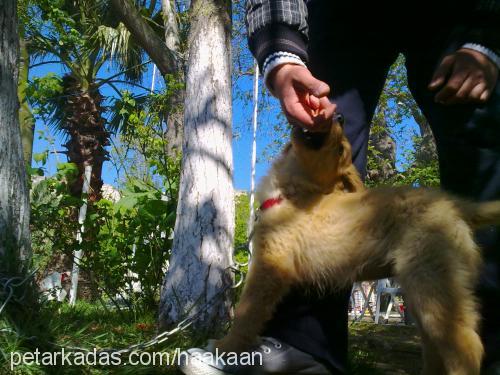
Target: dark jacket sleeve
column 281, row 25
column 480, row 24
column 276, row 25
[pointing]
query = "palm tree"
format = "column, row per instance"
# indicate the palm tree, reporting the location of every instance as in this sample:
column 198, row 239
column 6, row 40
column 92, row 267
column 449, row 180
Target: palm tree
column 84, row 37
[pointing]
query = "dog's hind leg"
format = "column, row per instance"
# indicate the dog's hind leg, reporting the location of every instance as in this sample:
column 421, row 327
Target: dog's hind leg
column 433, row 363
column 451, row 344
column 437, row 281
column 269, row 280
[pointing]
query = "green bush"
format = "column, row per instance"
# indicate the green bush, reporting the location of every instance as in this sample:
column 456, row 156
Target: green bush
column 123, row 243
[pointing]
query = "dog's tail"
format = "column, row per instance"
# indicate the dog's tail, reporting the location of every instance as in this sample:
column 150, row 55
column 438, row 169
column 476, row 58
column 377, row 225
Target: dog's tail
column 480, row 214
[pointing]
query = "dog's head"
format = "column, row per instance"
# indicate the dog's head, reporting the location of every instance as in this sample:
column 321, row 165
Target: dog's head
column 325, row 157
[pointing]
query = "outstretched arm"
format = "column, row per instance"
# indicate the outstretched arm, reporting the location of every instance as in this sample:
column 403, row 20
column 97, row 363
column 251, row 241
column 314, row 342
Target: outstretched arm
column 277, row 36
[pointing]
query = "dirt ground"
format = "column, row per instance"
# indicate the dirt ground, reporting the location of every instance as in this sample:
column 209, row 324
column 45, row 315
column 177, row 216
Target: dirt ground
column 384, row 349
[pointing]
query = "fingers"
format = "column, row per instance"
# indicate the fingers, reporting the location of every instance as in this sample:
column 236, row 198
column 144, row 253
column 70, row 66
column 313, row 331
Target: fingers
column 448, row 93
column 320, row 104
column 462, row 95
column 473, row 90
column 313, row 101
column 480, row 92
column 323, row 119
column 303, row 97
column 299, row 113
column 442, row 72
column 485, row 96
column 329, row 107
column 306, row 81
column 466, row 76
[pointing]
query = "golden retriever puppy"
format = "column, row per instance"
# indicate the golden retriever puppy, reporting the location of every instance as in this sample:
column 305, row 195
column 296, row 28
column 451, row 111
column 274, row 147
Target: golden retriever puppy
column 318, row 227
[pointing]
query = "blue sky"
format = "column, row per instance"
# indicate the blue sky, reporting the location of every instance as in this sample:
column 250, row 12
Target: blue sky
column 242, row 142
column 242, row 113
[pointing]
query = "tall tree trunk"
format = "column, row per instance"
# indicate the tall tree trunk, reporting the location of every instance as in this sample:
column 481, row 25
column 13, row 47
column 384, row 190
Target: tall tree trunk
column 426, row 150
column 382, row 151
column 26, row 119
column 204, row 228
column 87, row 134
column 171, row 28
column 174, row 117
column 15, row 249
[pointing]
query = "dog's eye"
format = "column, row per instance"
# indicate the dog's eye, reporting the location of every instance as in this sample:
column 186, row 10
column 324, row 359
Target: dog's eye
column 341, row 150
column 340, row 119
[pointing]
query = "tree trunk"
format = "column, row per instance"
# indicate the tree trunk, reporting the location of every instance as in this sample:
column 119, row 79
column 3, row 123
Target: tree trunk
column 171, row 27
column 87, row 134
column 15, row 249
column 426, row 150
column 204, row 228
column 174, row 117
column 383, row 152
column 26, row 120
column 145, row 36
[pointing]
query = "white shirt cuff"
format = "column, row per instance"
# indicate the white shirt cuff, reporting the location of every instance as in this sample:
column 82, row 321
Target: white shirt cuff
column 276, row 59
column 485, row 51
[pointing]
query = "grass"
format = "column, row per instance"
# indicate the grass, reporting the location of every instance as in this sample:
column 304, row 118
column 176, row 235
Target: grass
column 91, row 326
column 374, row 349
column 384, row 349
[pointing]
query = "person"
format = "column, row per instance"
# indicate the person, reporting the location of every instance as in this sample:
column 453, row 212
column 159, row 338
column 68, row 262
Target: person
column 326, row 56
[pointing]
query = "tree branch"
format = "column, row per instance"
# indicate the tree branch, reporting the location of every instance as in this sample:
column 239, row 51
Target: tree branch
column 164, row 58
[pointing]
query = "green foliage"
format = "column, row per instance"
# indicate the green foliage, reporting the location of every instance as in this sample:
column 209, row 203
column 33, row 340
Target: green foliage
column 44, row 94
column 141, row 146
column 41, row 157
column 82, row 35
column 132, row 241
column 417, row 172
column 242, row 210
column 396, row 107
column 51, row 206
column 124, row 242
column 84, row 38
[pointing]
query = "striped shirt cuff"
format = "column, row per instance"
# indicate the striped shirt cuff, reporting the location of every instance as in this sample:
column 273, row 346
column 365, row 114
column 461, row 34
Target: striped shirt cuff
column 276, row 59
column 485, row 51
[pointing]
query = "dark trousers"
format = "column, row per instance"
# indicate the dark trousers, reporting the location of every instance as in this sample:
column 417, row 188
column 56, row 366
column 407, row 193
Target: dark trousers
column 353, row 57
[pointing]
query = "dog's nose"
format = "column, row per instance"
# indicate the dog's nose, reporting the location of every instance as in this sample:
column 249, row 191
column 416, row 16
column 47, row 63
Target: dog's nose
column 340, row 118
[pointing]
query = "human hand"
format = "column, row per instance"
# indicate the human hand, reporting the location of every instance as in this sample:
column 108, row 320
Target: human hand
column 303, row 97
column 466, row 76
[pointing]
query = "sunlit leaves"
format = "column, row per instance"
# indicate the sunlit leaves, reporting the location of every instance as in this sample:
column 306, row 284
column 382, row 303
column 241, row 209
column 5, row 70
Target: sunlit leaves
column 44, row 93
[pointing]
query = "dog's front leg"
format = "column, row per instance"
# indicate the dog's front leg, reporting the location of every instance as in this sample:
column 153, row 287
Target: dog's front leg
column 268, row 281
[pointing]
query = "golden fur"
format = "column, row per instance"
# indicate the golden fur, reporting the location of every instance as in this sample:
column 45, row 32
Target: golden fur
column 329, row 231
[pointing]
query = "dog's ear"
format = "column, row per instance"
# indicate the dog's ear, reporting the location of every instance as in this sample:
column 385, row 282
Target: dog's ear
column 352, row 181
column 348, row 174
column 287, row 148
column 345, row 155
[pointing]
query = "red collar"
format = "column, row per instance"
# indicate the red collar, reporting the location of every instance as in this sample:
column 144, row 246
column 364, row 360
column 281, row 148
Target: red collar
column 268, row 203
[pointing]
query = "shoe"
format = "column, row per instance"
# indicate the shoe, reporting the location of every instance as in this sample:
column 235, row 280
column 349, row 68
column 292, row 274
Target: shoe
column 270, row 357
